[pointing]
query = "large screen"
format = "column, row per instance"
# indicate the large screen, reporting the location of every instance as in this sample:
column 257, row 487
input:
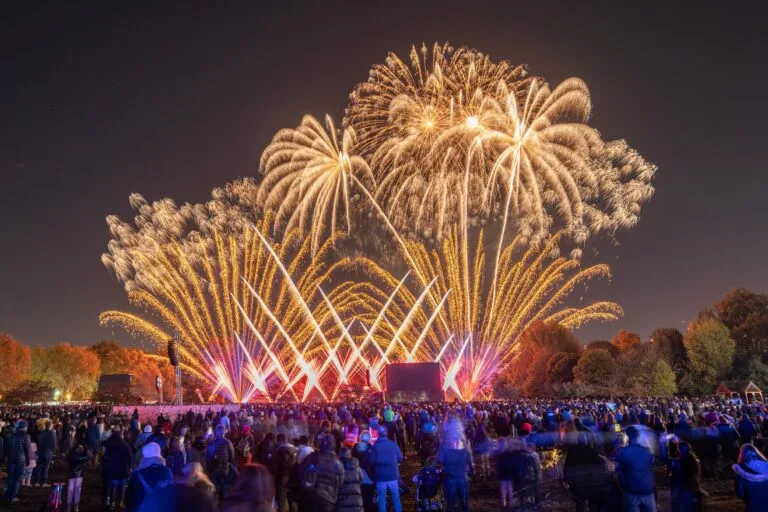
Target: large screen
column 413, row 382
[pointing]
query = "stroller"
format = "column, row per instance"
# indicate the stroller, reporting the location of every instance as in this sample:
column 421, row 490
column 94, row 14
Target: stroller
column 429, row 491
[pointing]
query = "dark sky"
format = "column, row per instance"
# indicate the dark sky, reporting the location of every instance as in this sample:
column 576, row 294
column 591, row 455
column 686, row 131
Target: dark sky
column 169, row 101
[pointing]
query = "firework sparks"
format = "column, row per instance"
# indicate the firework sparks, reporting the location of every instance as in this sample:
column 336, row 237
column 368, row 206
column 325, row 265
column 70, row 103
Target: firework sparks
column 306, row 178
column 527, row 150
column 437, row 148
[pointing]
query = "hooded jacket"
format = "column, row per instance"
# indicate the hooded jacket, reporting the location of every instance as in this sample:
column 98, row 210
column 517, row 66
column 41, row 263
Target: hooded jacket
column 752, row 484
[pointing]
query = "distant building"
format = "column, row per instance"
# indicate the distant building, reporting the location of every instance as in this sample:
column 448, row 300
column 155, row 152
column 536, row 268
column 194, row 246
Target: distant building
column 118, row 388
column 746, row 390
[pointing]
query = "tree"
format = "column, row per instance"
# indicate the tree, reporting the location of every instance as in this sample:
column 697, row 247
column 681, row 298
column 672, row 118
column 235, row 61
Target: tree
column 634, row 368
column 710, row 352
column 527, row 373
column 662, row 380
column 746, row 315
column 595, row 369
column 625, row 339
column 143, row 366
column 668, row 343
column 15, row 363
column 70, row 369
column 560, row 367
column 29, row 391
column 603, row 345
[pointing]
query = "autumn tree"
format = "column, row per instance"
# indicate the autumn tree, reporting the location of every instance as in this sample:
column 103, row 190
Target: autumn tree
column 595, row 369
column 710, row 352
column 527, row 373
column 602, row 345
column 143, row 366
column 669, row 346
column 560, row 367
column 745, row 314
column 68, row 368
column 625, row 339
column 15, row 363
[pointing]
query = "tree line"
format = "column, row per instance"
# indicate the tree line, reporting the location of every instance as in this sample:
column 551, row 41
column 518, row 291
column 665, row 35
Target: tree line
column 70, row 372
column 728, row 341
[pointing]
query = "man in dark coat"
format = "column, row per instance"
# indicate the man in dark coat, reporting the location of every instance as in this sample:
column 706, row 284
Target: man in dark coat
column 46, row 449
column 285, row 460
column 115, row 468
column 19, row 456
column 330, row 475
column 220, row 457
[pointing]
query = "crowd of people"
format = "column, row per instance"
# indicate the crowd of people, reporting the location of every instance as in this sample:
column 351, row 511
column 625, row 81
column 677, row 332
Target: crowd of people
column 348, row 457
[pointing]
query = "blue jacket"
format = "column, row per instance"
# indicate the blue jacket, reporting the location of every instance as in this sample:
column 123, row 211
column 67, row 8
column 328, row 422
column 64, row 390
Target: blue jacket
column 456, row 463
column 384, row 459
column 151, row 476
column 635, row 467
column 752, row 484
column 19, row 449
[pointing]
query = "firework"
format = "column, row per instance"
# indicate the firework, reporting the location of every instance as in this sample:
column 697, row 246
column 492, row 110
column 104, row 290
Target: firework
column 307, row 178
column 201, row 289
column 454, row 126
column 442, row 149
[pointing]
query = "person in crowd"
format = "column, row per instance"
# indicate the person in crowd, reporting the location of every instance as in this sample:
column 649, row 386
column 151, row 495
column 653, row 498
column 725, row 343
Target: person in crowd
column 194, row 476
column 220, row 460
column 303, row 449
column 46, row 449
column 115, row 468
column 254, row 491
column 384, row 460
column 19, row 455
column 350, row 495
column 329, row 475
column 92, row 438
column 751, row 483
column 634, row 465
column 76, row 458
column 428, row 441
column 285, row 462
column 586, row 473
column 178, row 498
column 150, row 476
column 29, row 470
column 747, row 429
column 526, row 472
column 504, row 471
column 176, row 457
column 685, row 474
column 362, row 451
column 455, row 459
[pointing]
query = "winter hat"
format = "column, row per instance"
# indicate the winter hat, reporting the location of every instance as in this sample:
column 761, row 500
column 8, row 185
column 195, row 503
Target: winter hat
column 21, row 425
column 150, row 450
column 148, row 429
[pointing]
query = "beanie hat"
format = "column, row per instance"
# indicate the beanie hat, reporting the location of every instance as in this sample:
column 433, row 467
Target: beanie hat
column 147, row 429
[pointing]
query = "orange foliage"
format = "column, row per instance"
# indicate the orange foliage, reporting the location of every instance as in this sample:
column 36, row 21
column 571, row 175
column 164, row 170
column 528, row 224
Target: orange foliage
column 15, row 363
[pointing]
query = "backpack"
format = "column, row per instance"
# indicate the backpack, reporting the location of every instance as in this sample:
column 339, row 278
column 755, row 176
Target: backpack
column 220, row 465
column 308, row 476
column 429, row 482
column 243, row 448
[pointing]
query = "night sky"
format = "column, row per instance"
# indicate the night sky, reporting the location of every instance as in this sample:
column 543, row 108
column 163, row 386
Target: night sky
column 170, row 101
